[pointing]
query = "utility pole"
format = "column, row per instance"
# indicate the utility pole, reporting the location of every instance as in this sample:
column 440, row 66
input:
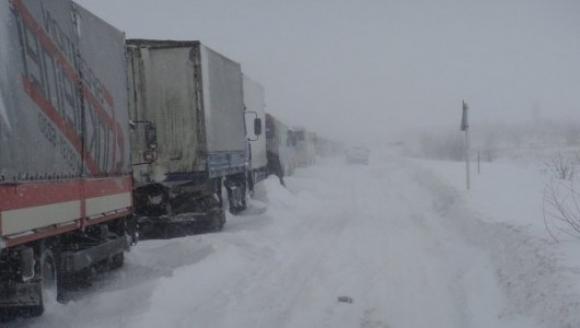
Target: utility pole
column 465, row 128
column 478, row 162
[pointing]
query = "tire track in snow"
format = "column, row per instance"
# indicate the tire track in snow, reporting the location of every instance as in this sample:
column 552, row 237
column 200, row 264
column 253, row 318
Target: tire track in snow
column 380, row 234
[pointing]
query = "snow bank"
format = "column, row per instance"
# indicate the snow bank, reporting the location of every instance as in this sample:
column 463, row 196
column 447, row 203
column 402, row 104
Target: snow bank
column 395, row 236
column 503, row 192
column 276, row 195
column 503, row 213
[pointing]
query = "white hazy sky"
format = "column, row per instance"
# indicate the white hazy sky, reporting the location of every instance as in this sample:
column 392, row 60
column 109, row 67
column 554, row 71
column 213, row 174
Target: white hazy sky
column 361, row 69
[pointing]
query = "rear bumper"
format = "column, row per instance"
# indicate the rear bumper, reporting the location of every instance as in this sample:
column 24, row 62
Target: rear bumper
column 175, row 226
column 76, row 261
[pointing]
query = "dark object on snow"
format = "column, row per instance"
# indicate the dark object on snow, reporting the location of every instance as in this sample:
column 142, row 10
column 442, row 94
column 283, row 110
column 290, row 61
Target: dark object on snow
column 275, row 167
column 345, row 299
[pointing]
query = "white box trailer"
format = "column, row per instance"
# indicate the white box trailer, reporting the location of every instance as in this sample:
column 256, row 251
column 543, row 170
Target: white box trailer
column 192, row 97
column 187, row 110
column 305, row 147
column 254, row 100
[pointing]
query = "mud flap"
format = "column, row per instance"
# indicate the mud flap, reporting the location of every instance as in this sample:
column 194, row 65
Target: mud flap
column 19, row 294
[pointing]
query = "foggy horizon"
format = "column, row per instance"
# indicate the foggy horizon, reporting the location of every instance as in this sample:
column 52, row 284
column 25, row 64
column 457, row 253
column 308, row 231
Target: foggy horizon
column 361, row 72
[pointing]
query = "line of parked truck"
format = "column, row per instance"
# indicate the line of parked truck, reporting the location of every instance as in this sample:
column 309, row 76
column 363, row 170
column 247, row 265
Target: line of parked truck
column 104, row 140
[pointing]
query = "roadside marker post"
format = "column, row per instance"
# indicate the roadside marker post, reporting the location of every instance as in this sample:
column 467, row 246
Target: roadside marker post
column 478, row 163
column 465, row 128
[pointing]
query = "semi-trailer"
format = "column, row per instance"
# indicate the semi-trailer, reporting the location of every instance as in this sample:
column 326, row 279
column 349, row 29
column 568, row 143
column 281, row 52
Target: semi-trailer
column 305, row 145
column 255, row 105
column 99, row 136
column 188, row 138
column 65, row 181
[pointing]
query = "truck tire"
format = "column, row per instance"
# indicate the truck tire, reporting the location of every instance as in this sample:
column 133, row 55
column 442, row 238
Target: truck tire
column 244, row 187
column 237, row 193
column 218, row 220
column 251, row 178
column 117, row 261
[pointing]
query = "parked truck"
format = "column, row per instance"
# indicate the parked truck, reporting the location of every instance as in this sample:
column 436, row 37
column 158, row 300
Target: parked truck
column 305, row 145
column 188, row 136
column 65, row 183
column 327, row 147
column 255, row 117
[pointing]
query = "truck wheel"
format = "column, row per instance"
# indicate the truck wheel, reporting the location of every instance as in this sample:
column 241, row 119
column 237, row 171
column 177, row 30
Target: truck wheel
column 48, row 283
column 117, row 261
column 244, row 205
column 251, row 178
column 243, row 197
column 218, row 220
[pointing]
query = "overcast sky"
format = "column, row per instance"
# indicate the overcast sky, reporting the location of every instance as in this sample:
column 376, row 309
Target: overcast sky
column 361, row 69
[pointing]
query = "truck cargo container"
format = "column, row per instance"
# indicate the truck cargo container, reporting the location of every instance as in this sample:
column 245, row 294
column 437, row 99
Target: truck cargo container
column 255, row 117
column 65, row 183
column 305, row 145
column 327, row 147
column 187, row 113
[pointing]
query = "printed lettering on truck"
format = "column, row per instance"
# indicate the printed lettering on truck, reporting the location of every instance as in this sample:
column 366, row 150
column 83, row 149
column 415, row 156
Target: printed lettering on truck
column 75, row 113
column 53, row 82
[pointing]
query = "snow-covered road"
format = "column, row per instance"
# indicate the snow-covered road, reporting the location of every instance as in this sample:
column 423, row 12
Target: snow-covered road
column 391, row 236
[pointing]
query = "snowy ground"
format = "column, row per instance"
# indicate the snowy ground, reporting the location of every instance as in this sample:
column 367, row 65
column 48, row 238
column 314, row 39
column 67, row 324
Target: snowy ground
column 400, row 237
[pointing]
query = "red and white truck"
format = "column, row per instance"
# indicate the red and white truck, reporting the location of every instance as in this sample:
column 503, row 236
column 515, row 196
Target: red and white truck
column 65, row 173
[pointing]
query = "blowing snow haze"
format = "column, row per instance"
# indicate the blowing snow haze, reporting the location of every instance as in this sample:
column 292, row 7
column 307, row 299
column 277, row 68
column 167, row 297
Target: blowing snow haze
column 364, row 69
column 144, row 183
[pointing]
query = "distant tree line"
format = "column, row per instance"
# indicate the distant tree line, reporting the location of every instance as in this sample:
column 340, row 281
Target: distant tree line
column 492, row 140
